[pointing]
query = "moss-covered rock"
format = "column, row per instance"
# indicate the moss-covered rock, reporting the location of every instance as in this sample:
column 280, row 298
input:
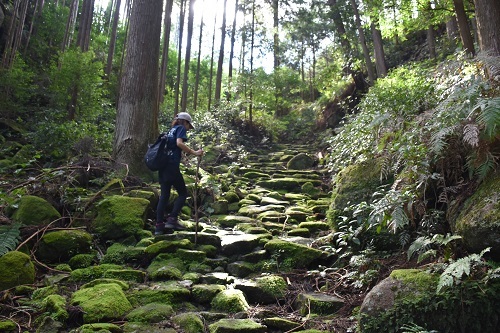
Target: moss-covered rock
column 165, row 292
column 263, row 290
column 16, row 268
column 132, row 275
column 8, row 326
column 205, row 293
column 56, row 306
column 408, row 296
column 166, row 246
column 237, row 326
column 300, row 161
column 189, row 322
column 230, row 301
column 354, row 184
column 231, row 221
column 120, row 217
column 291, row 255
column 317, row 303
column 99, row 327
column 91, row 273
column 166, row 268
column 151, row 313
column 280, row 324
column 33, row 210
column 61, row 245
column 102, row 302
column 82, row 260
column 479, row 220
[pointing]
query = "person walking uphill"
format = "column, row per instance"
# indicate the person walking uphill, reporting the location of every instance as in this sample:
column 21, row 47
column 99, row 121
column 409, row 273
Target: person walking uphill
column 170, row 175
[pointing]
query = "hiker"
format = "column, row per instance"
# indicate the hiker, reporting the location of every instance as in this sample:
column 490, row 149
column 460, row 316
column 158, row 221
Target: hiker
column 170, row 175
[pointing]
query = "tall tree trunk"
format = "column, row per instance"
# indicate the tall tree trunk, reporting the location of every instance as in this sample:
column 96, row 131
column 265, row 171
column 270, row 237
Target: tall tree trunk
column 362, row 41
column 463, row 27
column 85, row 28
column 198, row 65
column 14, row 33
column 379, row 51
column 210, row 83
column 167, row 24
column 276, row 40
column 179, row 55
column 452, row 29
column 70, row 25
column 138, row 102
column 488, row 23
column 431, row 43
column 252, row 46
column 37, row 13
column 231, row 52
column 218, row 79
column 112, row 39
column 187, row 58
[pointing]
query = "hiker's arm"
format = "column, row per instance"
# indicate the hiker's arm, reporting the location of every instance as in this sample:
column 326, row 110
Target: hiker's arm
column 186, row 149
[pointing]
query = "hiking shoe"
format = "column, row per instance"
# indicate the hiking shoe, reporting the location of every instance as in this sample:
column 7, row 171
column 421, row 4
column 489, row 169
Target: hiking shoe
column 173, row 223
column 160, row 229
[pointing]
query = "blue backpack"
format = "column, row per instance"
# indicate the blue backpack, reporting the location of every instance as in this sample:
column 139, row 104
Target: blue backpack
column 156, row 157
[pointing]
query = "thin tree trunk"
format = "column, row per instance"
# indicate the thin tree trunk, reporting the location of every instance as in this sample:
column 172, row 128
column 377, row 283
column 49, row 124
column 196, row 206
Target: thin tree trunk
column 187, row 59
column 431, row 43
column 218, row 79
column 112, row 39
column 138, row 102
column 35, row 17
column 379, row 51
column 276, row 40
column 362, row 41
column 211, row 67
column 179, row 55
column 85, row 29
column 70, row 25
column 167, row 24
column 231, row 53
column 198, row 64
column 463, row 27
column 14, row 32
column 252, row 46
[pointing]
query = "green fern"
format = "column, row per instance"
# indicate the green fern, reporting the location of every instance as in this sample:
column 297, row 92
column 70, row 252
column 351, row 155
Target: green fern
column 414, row 328
column 423, row 245
column 489, row 117
column 9, row 237
column 457, row 269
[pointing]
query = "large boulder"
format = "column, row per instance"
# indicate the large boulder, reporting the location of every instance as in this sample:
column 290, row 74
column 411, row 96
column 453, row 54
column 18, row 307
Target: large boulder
column 61, row 245
column 479, row 219
column 300, row 161
column 16, row 268
column 33, row 210
column 408, row 296
column 119, row 217
column 102, row 302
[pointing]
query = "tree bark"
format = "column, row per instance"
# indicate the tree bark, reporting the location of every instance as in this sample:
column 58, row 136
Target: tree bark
column 463, row 27
column 85, row 28
column 14, row 33
column 179, row 55
column 138, row 101
column 167, row 24
column 362, row 41
column 488, row 23
column 231, row 52
column 112, row 39
column 379, row 51
column 187, row 58
column 218, row 78
column 198, row 63
column 70, row 25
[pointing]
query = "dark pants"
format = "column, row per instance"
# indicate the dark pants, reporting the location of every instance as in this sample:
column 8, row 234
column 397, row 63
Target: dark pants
column 171, row 176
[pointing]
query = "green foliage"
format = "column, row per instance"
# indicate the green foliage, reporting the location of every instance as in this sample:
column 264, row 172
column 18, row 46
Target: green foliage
column 9, row 237
column 76, row 84
column 16, row 87
column 423, row 245
column 460, row 268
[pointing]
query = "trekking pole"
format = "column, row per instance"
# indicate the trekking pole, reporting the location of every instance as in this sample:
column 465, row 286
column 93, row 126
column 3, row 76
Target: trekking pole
column 197, row 180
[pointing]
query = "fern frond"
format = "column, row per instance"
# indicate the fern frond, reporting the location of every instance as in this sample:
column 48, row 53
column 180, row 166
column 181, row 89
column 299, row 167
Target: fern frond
column 419, row 245
column 438, row 139
column 489, row 117
column 471, row 135
column 399, row 219
column 9, row 237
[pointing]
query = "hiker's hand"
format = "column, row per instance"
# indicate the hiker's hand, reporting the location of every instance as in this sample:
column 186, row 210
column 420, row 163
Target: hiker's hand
column 199, row 152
